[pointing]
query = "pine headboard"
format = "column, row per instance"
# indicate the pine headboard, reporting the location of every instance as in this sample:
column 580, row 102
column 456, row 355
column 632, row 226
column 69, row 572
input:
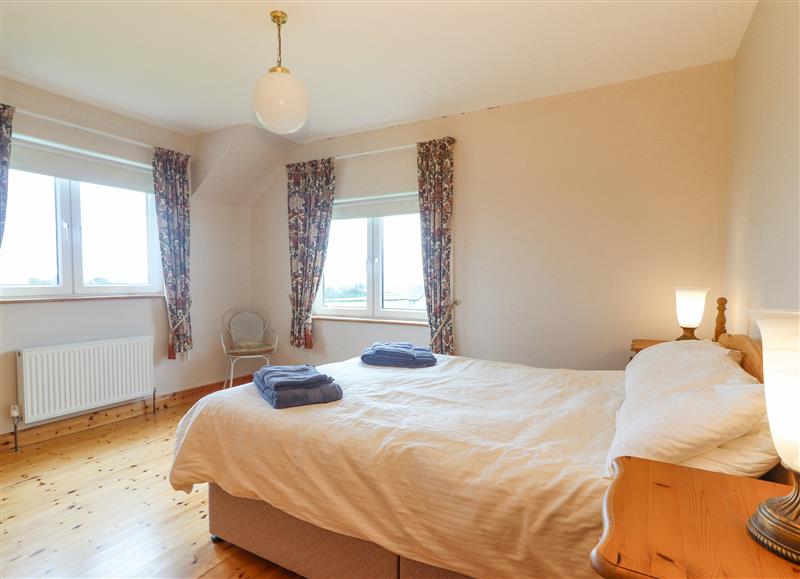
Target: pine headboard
column 752, row 356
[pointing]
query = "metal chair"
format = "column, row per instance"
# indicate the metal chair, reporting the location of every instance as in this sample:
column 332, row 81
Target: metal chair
column 250, row 337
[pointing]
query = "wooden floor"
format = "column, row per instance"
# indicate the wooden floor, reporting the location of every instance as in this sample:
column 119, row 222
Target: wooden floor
column 98, row 504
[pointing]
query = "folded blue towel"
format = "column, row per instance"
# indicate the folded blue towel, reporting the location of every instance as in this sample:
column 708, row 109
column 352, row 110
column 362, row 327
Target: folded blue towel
column 393, row 362
column 398, row 354
column 284, row 377
column 400, row 350
column 291, row 397
column 297, row 369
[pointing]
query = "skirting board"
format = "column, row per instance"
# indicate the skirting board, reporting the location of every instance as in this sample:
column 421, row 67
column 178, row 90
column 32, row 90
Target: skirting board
column 89, row 420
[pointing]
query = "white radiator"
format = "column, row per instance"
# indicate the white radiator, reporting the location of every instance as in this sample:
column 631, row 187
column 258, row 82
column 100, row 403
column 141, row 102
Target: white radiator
column 59, row 380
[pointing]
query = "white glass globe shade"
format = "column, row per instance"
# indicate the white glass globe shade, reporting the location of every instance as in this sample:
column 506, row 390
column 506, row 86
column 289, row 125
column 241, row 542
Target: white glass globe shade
column 280, row 103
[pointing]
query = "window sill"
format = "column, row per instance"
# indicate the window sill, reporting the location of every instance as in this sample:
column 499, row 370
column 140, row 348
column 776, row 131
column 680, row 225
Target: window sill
column 418, row 323
column 82, row 298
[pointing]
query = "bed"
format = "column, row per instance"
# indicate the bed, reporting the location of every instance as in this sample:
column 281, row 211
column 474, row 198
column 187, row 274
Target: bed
column 467, row 468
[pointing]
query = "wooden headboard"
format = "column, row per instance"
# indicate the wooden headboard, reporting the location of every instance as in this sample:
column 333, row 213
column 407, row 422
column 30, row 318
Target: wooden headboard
column 753, row 364
column 752, row 356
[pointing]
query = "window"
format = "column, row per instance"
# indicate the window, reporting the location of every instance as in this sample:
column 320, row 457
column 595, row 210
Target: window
column 71, row 238
column 373, row 268
column 401, row 287
column 30, row 252
column 114, row 232
column 345, row 280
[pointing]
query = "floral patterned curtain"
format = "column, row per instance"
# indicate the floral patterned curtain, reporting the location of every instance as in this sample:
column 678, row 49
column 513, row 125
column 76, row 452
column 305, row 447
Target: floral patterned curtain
column 435, row 179
column 310, row 189
column 6, row 116
column 171, row 185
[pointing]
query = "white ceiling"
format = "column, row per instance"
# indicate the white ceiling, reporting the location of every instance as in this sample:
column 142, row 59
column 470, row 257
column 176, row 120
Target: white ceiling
column 191, row 66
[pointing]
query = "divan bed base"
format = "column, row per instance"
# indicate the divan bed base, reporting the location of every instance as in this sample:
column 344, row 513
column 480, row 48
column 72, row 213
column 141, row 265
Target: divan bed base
column 306, row 549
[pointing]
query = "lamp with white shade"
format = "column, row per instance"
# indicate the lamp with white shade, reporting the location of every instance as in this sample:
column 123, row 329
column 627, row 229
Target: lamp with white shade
column 776, row 522
column 279, row 100
column 690, row 303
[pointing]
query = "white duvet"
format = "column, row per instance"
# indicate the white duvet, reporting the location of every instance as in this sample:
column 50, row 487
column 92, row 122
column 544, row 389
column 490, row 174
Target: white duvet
column 485, row 468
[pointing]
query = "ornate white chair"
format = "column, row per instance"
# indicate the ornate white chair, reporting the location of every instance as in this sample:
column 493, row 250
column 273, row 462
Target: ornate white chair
column 249, row 337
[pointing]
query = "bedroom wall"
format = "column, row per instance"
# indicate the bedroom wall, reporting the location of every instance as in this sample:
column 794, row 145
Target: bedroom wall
column 764, row 235
column 220, row 264
column 575, row 216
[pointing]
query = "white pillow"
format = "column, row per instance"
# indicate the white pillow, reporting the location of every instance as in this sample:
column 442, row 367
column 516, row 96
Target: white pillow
column 750, row 455
column 684, row 399
column 701, row 362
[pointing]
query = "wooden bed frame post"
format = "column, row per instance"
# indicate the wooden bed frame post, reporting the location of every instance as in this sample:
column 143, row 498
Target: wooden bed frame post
column 719, row 328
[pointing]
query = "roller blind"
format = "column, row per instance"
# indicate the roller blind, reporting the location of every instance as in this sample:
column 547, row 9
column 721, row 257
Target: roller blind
column 382, row 206
column 378, row 175
column 40, row 158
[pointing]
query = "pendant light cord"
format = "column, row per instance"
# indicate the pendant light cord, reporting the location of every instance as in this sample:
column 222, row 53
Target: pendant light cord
column 279, row 42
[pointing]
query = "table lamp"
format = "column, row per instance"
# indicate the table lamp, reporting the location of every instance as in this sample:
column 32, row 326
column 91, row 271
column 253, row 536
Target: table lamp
column 690, row 302
column 776, row 522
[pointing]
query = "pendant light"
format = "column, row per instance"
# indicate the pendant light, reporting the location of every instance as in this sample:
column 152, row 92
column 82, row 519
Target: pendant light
column 279, row 100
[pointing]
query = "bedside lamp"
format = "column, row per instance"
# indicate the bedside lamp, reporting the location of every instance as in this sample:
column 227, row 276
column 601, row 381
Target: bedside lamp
column 776, row 522
column 690, row 302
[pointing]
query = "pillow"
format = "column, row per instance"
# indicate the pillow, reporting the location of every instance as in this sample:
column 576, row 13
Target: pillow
column 684, row 399
column 664, row 364
column 750, row 455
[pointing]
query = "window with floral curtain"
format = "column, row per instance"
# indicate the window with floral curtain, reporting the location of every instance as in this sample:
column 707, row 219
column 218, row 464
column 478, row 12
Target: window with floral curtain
column 171, row 185
column 310, row 188
column 435, row 177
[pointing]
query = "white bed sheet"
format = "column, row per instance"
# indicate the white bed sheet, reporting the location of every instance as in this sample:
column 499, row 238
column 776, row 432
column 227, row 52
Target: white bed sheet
column 486, row 468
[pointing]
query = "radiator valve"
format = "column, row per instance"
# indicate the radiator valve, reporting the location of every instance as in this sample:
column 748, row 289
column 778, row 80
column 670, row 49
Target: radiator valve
column 16, row 419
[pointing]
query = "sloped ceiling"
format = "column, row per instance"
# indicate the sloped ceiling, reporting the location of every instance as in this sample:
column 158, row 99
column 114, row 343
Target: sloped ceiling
column 191, row 66
column 236, row 165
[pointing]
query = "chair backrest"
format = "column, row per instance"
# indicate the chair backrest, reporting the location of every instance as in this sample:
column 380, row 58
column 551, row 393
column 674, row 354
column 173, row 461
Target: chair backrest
column 246, row 326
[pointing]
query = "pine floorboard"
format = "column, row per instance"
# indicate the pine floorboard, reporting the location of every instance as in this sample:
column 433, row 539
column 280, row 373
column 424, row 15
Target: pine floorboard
column 97, row 503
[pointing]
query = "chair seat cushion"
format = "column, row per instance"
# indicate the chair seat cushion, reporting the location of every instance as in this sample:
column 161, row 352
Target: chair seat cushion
column 251, row 350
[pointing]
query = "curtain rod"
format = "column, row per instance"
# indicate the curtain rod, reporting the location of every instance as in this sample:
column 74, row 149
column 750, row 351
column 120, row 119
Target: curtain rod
column 375, row 152
column 83, row 128
column 37, row 143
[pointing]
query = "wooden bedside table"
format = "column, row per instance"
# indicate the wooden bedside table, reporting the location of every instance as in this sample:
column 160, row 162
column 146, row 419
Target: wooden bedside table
column 664, row 520
column 638, row 344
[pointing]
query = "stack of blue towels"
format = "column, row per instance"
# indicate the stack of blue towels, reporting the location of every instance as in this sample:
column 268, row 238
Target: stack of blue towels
column 288, row 386
column 399, row 354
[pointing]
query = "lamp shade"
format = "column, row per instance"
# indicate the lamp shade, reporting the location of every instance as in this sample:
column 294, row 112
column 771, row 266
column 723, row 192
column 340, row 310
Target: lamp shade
column 780, row 336
column 690, row 302
column 280, row 102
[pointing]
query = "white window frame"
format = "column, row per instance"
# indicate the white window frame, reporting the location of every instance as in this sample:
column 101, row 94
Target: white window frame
column 69, row 256
column 374, row 270
column 319, row 307
column 379, row 311
column 63, row 251
column 154, row 272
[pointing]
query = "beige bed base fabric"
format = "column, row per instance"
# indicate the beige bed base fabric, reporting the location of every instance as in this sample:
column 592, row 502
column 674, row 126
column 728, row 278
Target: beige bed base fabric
column 306, row 549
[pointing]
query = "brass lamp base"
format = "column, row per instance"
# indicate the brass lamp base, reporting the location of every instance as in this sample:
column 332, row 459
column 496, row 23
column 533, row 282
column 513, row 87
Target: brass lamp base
column 688, row 334
column 776, row 523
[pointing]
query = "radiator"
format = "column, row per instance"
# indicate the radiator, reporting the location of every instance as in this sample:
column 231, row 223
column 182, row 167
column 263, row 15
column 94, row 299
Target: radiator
column 55, row 381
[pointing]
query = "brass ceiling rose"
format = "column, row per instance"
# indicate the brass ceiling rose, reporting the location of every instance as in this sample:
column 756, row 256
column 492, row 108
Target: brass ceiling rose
column 278, row 17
